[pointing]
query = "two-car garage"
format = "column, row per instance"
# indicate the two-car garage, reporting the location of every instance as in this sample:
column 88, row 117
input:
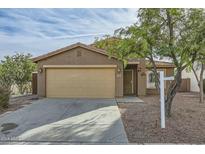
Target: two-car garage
column 79, row 71
column 80, row 82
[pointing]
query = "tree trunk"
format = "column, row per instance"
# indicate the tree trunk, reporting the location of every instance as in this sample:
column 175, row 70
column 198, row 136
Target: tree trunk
column 174, row 86
column 195, row 74
column 201, row 84
column 154, row 70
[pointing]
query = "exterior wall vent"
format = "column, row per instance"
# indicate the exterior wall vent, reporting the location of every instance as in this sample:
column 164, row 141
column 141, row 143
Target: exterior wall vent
column 79, row 53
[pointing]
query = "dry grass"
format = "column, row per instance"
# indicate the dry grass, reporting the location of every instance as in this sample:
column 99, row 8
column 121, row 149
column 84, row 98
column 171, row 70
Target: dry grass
column 186, row 126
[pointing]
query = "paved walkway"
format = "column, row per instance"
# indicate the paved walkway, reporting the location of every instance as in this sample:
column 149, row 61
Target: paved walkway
column 129, row 99
column 65, row 121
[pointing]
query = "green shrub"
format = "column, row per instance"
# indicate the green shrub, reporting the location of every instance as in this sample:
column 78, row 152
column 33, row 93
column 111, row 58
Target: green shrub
column 4, row 97
column 204, row 85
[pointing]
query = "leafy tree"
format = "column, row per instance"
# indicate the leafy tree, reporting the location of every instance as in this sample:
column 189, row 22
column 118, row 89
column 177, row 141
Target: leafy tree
column 113, row 44
column 6, row 74
column 160, row 33
column 4, row 97
column 17, row 69
column 200, row 60
column 24, row 68
column 6, row 81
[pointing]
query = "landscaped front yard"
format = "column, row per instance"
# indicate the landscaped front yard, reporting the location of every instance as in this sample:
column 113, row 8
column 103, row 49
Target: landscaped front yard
column 187, row 124
column 18, row 102
column 142, row 120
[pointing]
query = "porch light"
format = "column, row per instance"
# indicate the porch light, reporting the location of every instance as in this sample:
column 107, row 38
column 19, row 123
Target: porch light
column 40, row 70
column 118, row 70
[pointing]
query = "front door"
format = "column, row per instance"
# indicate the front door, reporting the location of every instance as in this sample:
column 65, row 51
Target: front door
column 128, row 82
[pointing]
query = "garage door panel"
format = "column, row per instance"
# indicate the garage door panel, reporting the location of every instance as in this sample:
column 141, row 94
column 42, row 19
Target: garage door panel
column 81, row 83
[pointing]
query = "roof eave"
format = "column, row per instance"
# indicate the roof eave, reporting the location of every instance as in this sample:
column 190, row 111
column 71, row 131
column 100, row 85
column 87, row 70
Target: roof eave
column 59, row 51
column 162, row 66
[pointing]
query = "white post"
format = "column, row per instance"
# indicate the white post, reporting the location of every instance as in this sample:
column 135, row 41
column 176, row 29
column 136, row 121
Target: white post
column 162, row 103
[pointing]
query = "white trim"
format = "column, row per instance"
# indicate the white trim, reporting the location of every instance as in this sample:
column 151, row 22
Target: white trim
column 169, row 78
column 162, row 103
column 79, row 66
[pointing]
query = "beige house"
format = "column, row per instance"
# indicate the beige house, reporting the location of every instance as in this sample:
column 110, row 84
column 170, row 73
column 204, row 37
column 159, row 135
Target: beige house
column 83, row 71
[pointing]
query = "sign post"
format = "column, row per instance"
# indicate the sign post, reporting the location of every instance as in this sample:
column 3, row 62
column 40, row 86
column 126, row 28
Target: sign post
column 162, row 102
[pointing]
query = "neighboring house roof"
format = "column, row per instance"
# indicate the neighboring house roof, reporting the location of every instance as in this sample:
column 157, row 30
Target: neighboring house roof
column 98, row 50
column 161, row 64
column 56, row 52
column 148, row 63
column 133, row 61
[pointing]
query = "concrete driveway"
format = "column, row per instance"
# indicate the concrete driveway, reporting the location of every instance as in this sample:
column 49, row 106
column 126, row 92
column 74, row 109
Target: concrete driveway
column 65, row 121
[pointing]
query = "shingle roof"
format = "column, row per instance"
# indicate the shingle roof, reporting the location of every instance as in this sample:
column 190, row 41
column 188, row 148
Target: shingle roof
column 160, row 64
column 148, row 63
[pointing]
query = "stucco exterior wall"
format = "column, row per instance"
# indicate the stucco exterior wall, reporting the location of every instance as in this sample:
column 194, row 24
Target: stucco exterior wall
column 190, row 75
column 80, row 56
column 141, row 78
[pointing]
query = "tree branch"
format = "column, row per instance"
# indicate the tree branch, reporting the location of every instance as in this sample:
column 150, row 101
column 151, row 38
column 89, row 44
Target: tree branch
column 192, row 67
column 154, row 70
column 171, row 36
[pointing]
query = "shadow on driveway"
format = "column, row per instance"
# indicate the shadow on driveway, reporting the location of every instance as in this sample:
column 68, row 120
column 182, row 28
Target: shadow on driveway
column 77, row 121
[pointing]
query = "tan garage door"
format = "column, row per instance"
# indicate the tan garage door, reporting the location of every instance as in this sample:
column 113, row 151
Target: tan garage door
column 80, row 82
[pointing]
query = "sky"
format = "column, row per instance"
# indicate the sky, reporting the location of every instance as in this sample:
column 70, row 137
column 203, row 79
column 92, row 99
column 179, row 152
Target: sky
column 38, row 31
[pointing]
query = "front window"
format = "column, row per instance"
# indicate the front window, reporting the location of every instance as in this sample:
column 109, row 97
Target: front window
column 152, row 77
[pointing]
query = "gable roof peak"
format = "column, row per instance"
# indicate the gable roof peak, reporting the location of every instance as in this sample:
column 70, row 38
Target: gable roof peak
column 67, row 48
